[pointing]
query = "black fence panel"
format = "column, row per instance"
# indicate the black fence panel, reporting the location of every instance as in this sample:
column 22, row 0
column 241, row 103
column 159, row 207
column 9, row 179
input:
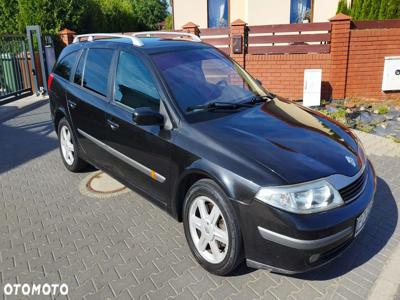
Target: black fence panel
column 15, row 80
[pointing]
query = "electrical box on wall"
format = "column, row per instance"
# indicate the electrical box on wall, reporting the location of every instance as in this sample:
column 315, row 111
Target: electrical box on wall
column 391, row 74
column 312, row 87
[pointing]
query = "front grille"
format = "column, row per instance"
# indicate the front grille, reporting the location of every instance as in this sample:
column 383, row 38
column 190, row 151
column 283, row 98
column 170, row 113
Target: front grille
column 354, row 189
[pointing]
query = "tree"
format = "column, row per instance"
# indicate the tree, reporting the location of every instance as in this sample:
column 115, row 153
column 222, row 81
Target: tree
column 393, row 9
column 109, row 16
column 383, row 9
column 81, row 16
column 150, row 12
column 365, row 9
column 356, row 9
column 169, row 22
column 343, row 8
column 8, row 13
column 374, row 11
column 50, row 15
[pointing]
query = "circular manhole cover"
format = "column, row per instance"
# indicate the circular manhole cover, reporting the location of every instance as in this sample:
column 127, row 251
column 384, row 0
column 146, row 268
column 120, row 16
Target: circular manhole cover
column 100, row 184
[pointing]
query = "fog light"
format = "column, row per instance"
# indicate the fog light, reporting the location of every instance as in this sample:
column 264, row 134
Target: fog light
column 314, row 258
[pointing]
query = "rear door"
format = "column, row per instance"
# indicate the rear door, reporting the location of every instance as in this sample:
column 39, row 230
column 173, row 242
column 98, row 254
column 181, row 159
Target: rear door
column 142, row 152
column 62, row 75
column 88, row 98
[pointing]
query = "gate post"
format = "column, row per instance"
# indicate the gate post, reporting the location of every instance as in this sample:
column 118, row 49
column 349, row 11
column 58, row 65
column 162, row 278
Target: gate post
column 29, row 30
column 237, row 31
column 340, row 39
column 191, row 28
column 66, row 36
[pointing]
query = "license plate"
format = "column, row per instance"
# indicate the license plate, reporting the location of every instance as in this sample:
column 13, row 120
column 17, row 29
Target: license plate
column 362, row 219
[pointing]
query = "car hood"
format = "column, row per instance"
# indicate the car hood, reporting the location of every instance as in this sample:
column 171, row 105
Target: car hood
column 294, row 142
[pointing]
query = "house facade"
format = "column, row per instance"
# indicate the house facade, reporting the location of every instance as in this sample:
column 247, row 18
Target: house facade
column 219, row 13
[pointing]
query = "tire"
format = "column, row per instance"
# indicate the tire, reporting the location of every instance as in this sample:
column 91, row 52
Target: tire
column 215, row 242
column 71, row 161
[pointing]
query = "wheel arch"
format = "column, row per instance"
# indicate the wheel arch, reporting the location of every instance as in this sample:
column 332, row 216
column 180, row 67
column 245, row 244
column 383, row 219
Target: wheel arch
column 191, row 176
column 58, row 115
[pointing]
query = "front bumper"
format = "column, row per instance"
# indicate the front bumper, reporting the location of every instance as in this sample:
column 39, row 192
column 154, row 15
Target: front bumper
column 292, row 243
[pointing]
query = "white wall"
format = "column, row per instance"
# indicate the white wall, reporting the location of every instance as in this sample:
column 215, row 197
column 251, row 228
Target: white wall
column 238, row 10
column 265, row 12
column 324, row 10
column 190, row 11
column 253, row 12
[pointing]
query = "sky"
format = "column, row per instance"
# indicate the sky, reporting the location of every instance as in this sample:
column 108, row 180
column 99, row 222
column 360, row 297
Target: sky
column 169, row 6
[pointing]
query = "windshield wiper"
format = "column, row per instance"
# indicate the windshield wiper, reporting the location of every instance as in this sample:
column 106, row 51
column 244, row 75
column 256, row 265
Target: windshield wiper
column 217, row 105
column 260, row 99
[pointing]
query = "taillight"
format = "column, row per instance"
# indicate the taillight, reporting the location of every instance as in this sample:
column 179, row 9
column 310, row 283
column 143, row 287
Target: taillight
column 49, row 81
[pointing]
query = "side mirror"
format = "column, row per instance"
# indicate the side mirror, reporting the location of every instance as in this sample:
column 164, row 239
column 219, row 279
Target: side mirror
column 259, row 82
column 145, row 116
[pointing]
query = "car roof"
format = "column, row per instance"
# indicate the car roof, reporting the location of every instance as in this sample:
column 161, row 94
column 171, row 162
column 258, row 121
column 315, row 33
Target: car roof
column 150, row 44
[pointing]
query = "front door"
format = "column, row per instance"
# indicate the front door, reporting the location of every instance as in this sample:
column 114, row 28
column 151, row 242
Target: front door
column 142, row 152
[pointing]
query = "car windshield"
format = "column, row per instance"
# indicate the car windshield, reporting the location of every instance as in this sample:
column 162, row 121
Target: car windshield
column 200, row 77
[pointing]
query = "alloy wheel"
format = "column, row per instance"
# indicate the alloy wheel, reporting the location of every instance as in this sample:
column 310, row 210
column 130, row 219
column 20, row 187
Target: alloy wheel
column 208, row 229
column 67, row 146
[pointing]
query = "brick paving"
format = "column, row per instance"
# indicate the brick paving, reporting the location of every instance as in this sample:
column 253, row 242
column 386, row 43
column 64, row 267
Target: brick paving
column 124, row 247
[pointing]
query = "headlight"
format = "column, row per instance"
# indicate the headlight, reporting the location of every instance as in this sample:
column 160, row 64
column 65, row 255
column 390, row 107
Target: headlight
column 302, row 198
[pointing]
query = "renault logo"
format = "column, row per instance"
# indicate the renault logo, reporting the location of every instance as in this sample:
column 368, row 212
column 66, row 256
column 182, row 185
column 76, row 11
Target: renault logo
column 351, row 161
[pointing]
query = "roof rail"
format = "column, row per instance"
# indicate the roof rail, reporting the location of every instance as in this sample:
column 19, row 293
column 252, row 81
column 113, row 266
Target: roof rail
column 194, row 37
column 91, row 37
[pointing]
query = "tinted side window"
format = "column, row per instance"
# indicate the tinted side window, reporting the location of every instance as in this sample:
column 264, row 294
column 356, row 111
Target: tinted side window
column 134, row 84
column 97, row 67
column 79, row 69
column 65, row 65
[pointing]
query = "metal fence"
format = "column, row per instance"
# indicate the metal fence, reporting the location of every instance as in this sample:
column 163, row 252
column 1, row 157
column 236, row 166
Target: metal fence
column 15, row 78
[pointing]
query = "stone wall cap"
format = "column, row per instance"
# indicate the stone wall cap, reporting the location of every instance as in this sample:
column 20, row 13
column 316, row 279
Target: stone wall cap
column 67, row 31
column 340, row 17
column 238, row 22
column 190, row 25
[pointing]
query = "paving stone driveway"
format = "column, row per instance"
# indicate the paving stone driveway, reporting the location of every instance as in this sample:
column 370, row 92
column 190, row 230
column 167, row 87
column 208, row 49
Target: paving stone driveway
column 127, row 248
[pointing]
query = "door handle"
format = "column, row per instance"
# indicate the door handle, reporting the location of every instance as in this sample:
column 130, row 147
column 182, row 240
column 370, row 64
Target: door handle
column 112, row 124
column 71, row 104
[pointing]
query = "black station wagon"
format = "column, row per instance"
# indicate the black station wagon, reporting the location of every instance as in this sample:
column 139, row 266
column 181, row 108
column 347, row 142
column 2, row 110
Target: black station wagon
column 253, row 177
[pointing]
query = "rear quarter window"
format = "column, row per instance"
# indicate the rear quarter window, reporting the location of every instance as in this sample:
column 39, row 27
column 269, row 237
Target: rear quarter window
column 65, row 65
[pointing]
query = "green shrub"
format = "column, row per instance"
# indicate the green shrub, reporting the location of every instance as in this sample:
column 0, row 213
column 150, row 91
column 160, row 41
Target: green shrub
column 150, row 12
column 371, row 9
column 52, row 16
column 382, row 109
column 110, row 16
column 338, row 115
column 81, row 16
column 169, row 22
column 8, row 21
column 364, row 127
column 343, row 8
